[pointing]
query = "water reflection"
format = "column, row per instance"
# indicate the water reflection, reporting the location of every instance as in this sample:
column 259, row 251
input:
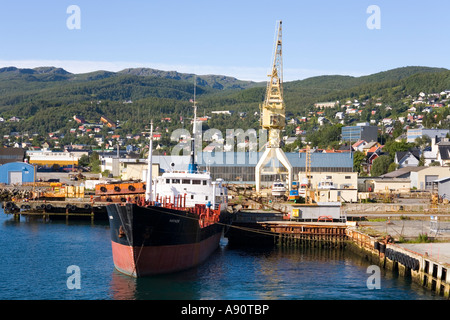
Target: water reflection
column 269, row 273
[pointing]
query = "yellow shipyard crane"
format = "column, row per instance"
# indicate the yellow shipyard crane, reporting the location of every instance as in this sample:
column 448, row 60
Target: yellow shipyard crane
column 273, row 119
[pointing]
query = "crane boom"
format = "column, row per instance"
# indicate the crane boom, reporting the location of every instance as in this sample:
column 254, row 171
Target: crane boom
column 273, row 109
column 273, row 118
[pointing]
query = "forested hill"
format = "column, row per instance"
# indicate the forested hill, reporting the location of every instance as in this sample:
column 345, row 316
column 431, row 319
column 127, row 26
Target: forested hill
column 46, row 98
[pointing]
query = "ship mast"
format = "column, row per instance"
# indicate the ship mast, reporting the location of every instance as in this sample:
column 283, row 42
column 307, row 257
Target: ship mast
column 148, row 189
column 193, row 165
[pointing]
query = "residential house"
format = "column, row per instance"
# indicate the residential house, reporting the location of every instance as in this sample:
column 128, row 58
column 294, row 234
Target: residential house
column 339, row 115
column 387, row 121
column 14, row 119
column 371, row 154
column 441, row 148
column 359, row 145
column 371, row 147
column 429, row 157
column 290, row 121
column 443, row 155
column 156, row 136
column 409, row 158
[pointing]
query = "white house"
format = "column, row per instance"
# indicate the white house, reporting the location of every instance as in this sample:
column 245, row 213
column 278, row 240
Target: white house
column 359, row 145
column 407, row 158
column 339, row 115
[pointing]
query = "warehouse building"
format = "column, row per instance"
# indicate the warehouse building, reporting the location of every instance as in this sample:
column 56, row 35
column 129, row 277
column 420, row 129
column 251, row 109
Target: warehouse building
column 16, row 173
column 240, row 166
column 59, row 159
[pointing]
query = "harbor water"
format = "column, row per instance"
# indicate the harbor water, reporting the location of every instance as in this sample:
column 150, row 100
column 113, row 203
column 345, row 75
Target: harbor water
column 56, row 260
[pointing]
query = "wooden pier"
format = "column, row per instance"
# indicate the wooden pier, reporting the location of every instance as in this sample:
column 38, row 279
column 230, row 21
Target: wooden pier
column 275, row 229
column 314, row 234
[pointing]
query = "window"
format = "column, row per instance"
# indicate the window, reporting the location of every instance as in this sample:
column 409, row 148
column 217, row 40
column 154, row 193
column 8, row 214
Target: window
column 175, row 180
column 348, row 177
column 196, row 181
column 206, row 198
column 204, row 182
column 167, row 180
column 186, row 181
column 192, row 197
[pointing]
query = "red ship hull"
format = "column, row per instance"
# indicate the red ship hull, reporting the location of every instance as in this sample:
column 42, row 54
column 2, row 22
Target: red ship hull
column 151, row 240
column 147, row 261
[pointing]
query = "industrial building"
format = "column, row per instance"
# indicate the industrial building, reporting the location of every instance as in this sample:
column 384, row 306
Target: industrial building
column 412, row 134
column 16, row 173
column 442, row 186
column 361, row 131
column 240, row 166
column 50, row 159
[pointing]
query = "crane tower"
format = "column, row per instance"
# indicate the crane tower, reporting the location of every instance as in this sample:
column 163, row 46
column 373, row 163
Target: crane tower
column 273, row 120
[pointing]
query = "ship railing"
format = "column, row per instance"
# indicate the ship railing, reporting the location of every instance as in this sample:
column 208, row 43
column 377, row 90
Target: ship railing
column 206, row 215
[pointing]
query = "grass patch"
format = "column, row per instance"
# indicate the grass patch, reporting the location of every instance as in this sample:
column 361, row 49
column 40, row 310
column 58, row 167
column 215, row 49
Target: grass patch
column 421, row 238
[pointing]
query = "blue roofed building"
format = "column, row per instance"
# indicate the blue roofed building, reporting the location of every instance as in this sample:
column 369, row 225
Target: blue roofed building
column 240, row 166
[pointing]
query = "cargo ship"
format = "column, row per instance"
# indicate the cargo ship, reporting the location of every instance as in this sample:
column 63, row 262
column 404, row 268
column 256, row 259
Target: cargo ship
column 176, row 225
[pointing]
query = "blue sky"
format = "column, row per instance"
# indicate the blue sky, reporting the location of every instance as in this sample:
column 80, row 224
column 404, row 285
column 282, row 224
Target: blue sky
column 233, row 38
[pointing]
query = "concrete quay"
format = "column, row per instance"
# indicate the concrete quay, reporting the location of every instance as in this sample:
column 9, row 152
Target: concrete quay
column 427, row 264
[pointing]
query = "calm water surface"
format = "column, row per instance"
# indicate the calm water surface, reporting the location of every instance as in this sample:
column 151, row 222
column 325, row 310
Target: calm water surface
column 35, row 255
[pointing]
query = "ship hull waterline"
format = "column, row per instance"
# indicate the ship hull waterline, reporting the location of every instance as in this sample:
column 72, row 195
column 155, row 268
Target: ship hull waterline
column 150, row 240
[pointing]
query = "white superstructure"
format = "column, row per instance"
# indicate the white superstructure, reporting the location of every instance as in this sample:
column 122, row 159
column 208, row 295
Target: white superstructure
column 195, row 188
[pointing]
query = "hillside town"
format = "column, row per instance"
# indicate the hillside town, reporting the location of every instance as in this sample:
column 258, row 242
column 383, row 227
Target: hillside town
column 412, row 148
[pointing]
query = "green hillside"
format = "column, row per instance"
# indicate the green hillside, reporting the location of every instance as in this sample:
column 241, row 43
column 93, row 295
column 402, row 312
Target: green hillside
column 47, row 98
